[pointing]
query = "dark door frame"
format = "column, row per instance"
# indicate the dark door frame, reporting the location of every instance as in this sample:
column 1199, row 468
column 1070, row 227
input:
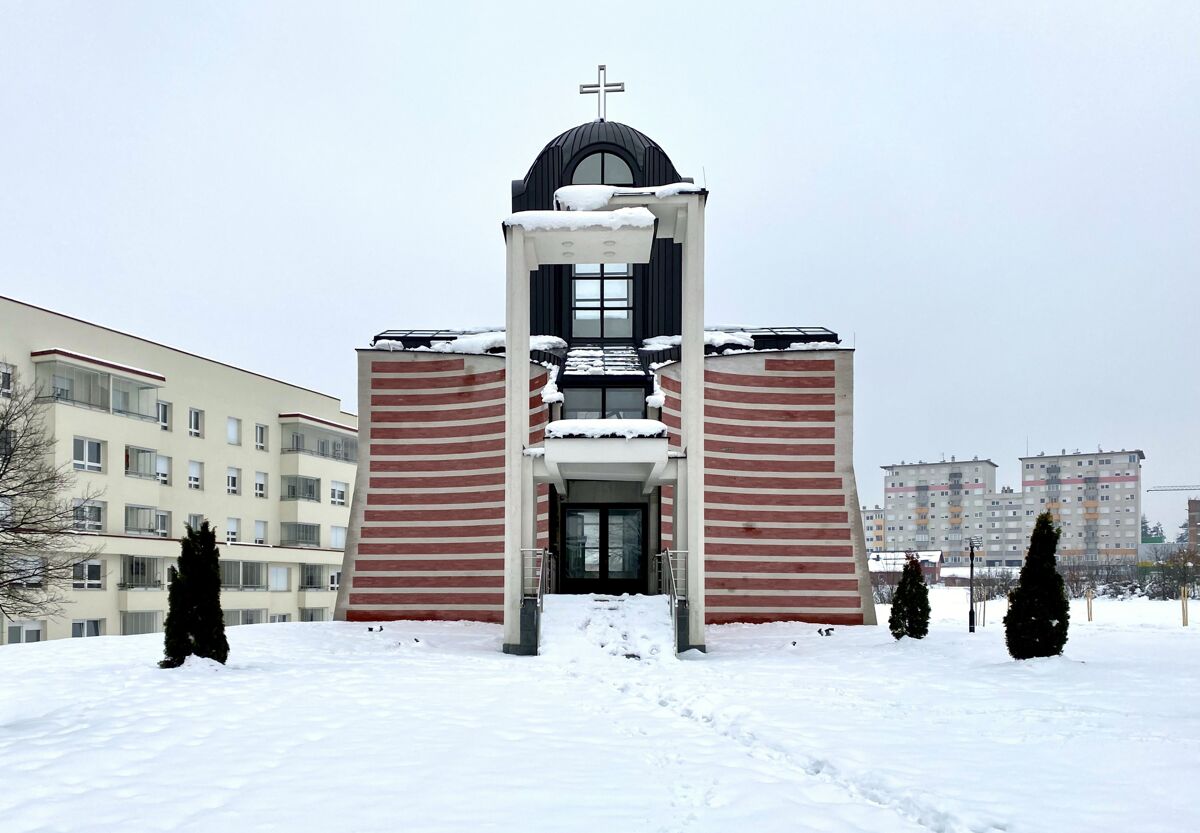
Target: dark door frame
column 603, row 584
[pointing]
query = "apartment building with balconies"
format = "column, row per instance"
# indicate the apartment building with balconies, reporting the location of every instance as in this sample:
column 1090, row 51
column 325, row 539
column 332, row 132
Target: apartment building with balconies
column 936, row 506
column 1094, row 497
column 875, row 528
column 161, row 438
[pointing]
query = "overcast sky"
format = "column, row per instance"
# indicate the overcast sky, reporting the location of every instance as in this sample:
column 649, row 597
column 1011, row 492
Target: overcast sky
column 997, row 204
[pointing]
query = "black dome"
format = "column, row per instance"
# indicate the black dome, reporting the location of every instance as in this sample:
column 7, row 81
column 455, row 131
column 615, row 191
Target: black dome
column 550, row 169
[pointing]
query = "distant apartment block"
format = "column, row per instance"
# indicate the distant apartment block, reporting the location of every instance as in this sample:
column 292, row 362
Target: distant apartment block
column 874, row 527
column 1094, row 497
column 165, row 439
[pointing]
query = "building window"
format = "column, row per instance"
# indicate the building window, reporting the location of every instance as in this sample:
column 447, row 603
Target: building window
column 233, row 478
column 6, row 379
column 602, row 169
column 162, row 469
column 140, row 462
column 140, row 572
column 243, row 575
column 260, row 532
column 604, row 403
column 164, row 416
column 312, row 614
column 337, row 537
column 312, row 577
column 195, row 422
column 260, row 484
column 296, row 487
column 87, row 454
column 279, row 579
column 260, row 437
column 140, row 520
column 280, row 617
column 87, row 627
column 194, row 521
column 19, row 632
column 601, row 301
column 299, row 535
column 233, row 529
column 335, row 579
column 195, row 474
column 337, row 492
column 233, row 431
column 89, row 516
column 139, row 622
column 162, row 523
column 87, row 575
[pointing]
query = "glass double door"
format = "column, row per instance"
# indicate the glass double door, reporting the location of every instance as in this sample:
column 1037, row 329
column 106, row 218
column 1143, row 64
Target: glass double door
column 604, row 549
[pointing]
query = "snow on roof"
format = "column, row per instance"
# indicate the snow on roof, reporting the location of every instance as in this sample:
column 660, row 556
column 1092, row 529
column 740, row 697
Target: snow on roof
column 888, row 562
column 473, row 343
column 815, row 345
column 712, row 338
column 595, row 197
column 597, row 428
column 621, row 218
column 550, row 392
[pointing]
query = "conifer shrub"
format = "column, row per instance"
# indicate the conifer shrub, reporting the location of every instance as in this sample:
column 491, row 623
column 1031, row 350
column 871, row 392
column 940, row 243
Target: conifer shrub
column 1038, row 610
column 910, row 604
column 195, row 624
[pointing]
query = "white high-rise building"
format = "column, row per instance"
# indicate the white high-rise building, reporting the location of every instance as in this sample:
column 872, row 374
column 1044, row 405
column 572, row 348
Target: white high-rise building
column 936, row 506
column 165, row 438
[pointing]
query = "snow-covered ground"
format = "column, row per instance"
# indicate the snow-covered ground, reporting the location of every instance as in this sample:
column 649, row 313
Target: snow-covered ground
column 427, row 726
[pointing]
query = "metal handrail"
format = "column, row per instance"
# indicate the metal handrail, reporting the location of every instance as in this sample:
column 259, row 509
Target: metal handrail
column 666, row 562
column 535, row 571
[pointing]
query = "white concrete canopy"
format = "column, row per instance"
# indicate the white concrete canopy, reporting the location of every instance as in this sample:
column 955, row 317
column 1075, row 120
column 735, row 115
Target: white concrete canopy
column 562, row 237
column 643, row 460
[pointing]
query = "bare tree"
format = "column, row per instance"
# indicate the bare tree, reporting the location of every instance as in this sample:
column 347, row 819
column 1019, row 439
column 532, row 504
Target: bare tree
column 39, row 547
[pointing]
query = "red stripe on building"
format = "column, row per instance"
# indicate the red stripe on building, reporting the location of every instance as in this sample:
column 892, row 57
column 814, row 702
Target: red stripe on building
column 719, row 565
column 789, row 365
column 720, row 463
column 758, row 583
column 751, row 415
column 444, row 417
column 739, row 380
column 474, row 599
column 747, row 532
column 467, row 464
column 757, row 515
column 740, row 600
column 496, row 479
column 767, row 398
column 433, row 548
column 418, row 366
column 376, row 499
column 772, row 482
column 434, row 530
column 438, row 432
column 468, row 380
column 428, row 449
column 363, row 565
column 771, row 449
column 782, row 432
column 468, row 513
column 770, row 550
column 758, row 499
column 410, row 400
column 429, row 581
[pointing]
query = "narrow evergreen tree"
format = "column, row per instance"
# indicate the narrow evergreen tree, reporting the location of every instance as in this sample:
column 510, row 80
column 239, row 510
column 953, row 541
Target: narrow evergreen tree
column 1038, row 610
column 195, row 623
column 910, row 604
column 177, row 643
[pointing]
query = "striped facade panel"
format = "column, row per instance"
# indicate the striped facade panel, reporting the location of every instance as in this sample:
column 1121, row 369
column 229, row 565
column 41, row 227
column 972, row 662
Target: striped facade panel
column 427, row 542
column 783, row 537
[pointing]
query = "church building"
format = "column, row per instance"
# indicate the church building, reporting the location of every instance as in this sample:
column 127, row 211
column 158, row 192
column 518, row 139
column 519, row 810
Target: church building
column 606, row 442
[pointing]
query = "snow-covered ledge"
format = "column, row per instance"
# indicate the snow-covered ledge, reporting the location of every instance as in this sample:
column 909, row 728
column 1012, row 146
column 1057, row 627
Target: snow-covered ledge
column 631, row 450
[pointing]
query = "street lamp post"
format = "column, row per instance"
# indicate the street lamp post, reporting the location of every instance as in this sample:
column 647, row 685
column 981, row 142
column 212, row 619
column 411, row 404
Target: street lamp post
column 971, row 584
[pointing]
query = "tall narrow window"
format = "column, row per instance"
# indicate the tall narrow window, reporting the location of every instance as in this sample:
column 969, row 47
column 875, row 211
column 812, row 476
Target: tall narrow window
column 233, row 528
column 337, row 492
column 195, row 422
column 6, row 379
column 260, row 437
column 233, row 478
column 195, row 475
column 162, row 469
column 233, row 431
column 260, row 532
column 602, row 301
column 260, row 484
column 164, row 416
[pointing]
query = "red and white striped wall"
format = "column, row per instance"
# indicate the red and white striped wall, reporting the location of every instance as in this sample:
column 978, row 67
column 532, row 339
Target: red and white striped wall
column 783, row 537
column 427, row 526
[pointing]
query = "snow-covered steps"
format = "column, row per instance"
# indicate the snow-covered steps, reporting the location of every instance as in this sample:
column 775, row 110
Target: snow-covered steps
column 632, row 627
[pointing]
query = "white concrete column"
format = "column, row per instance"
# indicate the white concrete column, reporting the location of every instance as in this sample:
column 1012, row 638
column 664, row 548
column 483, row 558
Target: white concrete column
column 516, row 424
column 691, row 403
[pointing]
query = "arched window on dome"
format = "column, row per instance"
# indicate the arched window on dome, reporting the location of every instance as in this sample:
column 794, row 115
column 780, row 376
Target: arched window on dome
column 602, row 169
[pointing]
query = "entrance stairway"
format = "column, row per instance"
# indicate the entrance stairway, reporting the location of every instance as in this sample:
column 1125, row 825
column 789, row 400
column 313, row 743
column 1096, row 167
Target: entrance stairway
column 633, row 627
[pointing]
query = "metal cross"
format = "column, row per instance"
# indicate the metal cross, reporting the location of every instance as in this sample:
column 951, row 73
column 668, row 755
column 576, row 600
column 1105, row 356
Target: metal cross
column 600, row 88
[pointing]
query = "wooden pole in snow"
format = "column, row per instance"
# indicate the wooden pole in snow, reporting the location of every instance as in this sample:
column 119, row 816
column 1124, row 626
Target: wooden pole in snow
column 1183, row 600
column 1089, row 603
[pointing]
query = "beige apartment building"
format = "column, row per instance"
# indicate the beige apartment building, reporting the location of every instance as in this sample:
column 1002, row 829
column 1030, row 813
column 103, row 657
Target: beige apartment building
column 936, row 506
column 165, row 438
column 1095, row 497
column 874, row 528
